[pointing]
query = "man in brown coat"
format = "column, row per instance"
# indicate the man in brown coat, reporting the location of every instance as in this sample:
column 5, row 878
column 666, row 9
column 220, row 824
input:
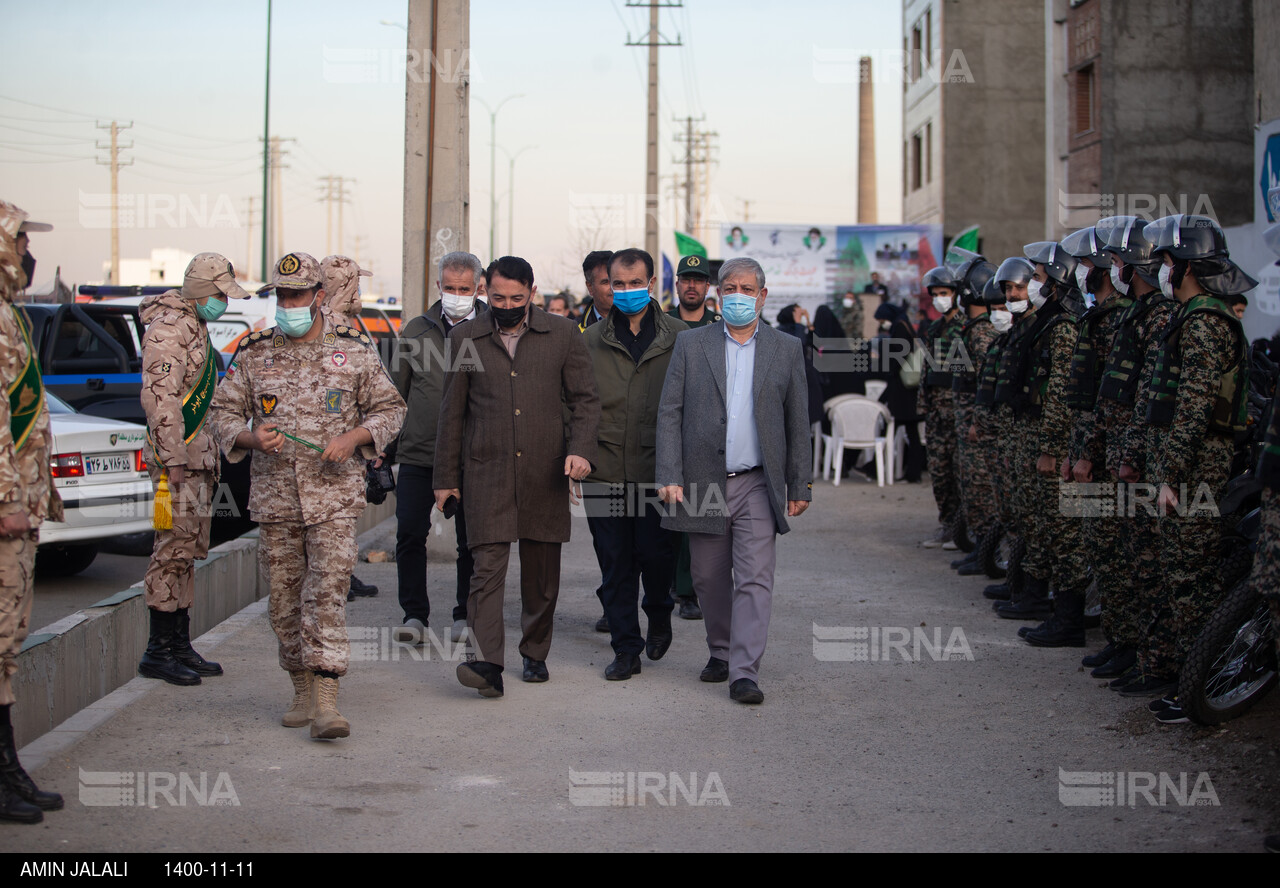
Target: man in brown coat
column 503, row 411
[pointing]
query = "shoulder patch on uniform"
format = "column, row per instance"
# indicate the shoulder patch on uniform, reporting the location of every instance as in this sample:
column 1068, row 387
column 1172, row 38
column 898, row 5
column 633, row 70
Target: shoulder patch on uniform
column 277, row 341
column 330, row 338
column 257, row 336
column 165, row 366
column 352, row 333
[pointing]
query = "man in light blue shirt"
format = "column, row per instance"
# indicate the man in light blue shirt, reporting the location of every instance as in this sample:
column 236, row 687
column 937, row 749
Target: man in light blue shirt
column 742, row 442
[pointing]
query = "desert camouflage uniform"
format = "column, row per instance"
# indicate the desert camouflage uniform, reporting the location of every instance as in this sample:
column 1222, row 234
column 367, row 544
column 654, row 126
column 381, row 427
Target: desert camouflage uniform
column 342, row 288
column 935, row 401
column 1100, row 547
column 1054, row 542
column 973, row 460
column 1126, row 617
column 1195, row 461
column 174, row 351
column 25, row 482
column 307, row 508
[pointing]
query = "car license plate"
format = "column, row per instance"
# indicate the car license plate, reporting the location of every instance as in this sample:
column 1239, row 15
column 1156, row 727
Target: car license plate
column 105, row 463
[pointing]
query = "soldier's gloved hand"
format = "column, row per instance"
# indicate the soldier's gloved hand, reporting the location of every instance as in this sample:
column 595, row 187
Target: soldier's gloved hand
column 1082, row 471
column 177, row 475
column 15, row 525
column 266, row 438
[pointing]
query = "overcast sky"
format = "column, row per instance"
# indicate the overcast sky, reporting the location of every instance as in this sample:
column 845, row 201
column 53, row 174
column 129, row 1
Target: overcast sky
column 776, row 81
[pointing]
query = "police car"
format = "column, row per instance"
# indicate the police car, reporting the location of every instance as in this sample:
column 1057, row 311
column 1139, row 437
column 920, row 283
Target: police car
column 98, row 469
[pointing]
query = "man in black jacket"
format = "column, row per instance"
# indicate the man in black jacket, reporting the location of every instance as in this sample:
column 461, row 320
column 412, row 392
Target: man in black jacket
column 421, row 359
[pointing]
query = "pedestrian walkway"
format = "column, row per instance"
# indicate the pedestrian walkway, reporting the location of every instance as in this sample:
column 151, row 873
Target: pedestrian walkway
column 854, row 748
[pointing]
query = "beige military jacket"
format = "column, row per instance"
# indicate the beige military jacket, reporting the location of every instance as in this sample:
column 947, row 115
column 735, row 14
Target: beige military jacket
column 315, row 391
column 25, row 482
column 174, row 349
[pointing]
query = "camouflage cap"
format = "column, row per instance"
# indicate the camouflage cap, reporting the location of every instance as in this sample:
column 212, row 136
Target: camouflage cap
column 294, row 271
column 211, row 268
column 694, row 265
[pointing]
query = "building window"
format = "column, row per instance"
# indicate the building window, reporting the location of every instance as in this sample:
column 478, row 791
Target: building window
column 928, row 152
column 915, row 53
column 916, row 158
column 928, row 37
column 906, row 165
column 1085, row 100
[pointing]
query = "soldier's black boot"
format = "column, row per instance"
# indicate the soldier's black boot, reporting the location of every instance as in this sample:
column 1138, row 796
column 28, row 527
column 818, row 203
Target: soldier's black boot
column 17, row 780
column 1066, row 627
column 997, row 592
column 158, row 660
column 1032, row 604
column 1013, row 586
column 971, row 558
column 184, row 653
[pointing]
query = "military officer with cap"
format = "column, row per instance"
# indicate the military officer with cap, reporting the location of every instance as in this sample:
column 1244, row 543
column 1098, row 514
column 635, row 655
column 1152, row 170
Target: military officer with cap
column 27, row 498
column 179, row 372
column 311, row 397
column 693, row 281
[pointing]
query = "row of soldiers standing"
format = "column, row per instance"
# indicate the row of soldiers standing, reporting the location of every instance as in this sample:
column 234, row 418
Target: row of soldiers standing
column 1114, row 359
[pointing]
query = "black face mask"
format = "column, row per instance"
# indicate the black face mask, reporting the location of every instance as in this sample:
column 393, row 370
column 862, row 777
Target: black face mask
column 508, row 317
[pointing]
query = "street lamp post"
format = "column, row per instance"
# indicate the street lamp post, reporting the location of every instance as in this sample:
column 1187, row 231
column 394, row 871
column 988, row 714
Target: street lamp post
column 511, row 195
column 493, row 166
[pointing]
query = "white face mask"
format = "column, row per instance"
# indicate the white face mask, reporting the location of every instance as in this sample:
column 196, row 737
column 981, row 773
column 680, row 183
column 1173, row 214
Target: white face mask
column 1020, row 306
column 1082, row 278
column 1166, row 285
column 942, row 304
column 1121, row 287
column 458, row 306
column 1001, row 319
column 1035, row 292
column 848, row 303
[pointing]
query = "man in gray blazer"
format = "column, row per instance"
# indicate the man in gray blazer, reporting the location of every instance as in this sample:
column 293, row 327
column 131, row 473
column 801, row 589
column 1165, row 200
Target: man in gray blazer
column 733, row 453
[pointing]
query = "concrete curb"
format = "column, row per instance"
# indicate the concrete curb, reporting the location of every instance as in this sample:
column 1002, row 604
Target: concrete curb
column 70, row 666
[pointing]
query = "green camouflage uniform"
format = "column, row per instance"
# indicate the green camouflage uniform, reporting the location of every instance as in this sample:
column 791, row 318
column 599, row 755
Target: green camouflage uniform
column 973, row 460
column 935, row 401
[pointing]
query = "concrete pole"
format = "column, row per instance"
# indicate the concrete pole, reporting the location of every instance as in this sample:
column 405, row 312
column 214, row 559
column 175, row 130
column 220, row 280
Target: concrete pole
column 651, row 160
column 436, row 168
column 866, row 144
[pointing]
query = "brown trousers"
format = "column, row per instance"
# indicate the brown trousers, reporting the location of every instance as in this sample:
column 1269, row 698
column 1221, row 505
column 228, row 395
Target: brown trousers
column 17, row 592
column 539, row 589
column 170, row 577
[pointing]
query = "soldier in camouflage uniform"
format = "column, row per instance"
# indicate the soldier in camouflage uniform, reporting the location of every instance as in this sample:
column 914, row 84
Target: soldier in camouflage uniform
column 1043, row 426
column 1119, row 571
column 1096, row 542
column 315, row 393
column 935, row 402
column 179, row 372
column 977, row 495
column 852, row 316
column 341, row 277
column 1199, row 393
column 27, row 498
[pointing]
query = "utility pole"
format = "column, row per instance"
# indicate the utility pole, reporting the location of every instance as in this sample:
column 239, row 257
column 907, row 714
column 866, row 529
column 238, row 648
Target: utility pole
column 275, row 219
column 653, row 40
column 266, row 158
column 334, row 191
column 248, row 215
column 703, row 159
column 687, row 139
column 114, row 162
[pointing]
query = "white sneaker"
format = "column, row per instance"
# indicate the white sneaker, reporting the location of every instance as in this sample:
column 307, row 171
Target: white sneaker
column 412, row 631
column 949, row 546
column 459, row 631
column 936, row 540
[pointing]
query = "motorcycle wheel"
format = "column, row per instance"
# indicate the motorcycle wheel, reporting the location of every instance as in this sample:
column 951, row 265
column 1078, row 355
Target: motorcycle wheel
column 1232, row 663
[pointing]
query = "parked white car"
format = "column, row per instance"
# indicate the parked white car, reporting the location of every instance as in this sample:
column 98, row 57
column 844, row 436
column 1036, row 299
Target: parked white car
column 99, row 471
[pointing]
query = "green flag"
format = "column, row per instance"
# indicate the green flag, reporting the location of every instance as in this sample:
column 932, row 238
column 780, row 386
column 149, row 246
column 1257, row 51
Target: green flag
column 688, row 246
column 965, row 240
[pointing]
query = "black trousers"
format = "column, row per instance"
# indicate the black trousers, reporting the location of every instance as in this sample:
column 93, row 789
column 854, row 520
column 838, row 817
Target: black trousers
column 631, row 550
column 415, row 497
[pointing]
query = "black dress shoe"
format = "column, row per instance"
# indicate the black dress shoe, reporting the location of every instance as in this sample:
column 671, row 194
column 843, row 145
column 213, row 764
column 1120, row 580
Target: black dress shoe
column 1118, row 665
column 716, row 670
column 623, row 667
column 360, row 589
column 602, row 624
column 689, row 609
column 1101, row 657
column 997, row 592
column 971, row 569
column 744, row 690
column 535, row 670
column 484, row 677
column 659, row 640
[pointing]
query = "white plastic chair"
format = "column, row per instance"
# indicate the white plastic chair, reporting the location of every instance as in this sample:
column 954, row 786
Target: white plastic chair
column 875, row 388
column 860, row 423
column 820, row 440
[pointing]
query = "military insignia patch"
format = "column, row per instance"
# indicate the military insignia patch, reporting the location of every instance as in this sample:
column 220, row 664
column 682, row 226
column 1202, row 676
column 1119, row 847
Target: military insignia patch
column 364, row 338
column 693, row 261
column 268, row 403
column 269, row 361
column 330, row 338
column 339, row 359
column 333, row 401
column 277, row 342
column 165, row 367
column 289, row 264
column 114, row 439
column 231, row 371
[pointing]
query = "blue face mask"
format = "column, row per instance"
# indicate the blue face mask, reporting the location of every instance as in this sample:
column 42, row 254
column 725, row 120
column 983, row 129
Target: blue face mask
column 738, row 310
column 631, row 301
column 295, row 322
column 211, row 310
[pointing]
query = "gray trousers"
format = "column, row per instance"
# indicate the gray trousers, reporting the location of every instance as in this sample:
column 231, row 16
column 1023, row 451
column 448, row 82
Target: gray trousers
column 733, row 577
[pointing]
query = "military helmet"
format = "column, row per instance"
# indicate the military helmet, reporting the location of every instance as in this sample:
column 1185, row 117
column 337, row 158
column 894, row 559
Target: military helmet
column 992, row 294
column 1058, row 264
column 1086, row 244
column 976, row 279
column 1125, row 238
column 1014, row 270
column 942, row 276
column 1185, row 236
